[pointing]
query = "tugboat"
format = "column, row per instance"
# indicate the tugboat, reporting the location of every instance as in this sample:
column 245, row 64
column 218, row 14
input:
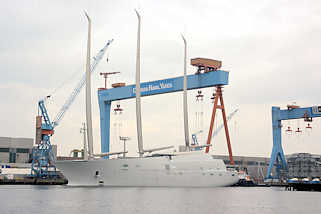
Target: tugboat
column 244, row 179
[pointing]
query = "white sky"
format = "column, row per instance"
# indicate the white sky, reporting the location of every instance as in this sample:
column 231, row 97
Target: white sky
column 270, row 48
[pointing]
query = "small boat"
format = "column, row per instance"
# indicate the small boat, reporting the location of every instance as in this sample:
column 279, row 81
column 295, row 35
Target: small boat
column 306, row 180
column 244, row 179
column 315, row 181
column 293, row 180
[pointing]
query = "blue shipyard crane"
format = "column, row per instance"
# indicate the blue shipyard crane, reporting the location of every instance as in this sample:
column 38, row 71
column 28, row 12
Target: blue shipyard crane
column 43, row 156
column 278, row 162
column 194, row 137
column 151, row 88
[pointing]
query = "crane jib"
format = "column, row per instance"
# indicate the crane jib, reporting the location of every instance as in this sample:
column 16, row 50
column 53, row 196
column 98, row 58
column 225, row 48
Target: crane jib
column 95, row 61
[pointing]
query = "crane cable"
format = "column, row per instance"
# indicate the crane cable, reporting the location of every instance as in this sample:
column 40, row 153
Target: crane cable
column 199, row 114
column 72, row 76
column 118, row 122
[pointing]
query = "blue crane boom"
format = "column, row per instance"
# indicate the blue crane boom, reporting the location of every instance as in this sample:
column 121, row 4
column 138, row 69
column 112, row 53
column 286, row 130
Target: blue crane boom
column 46, row 120
column 80, row 85
column 43, row 157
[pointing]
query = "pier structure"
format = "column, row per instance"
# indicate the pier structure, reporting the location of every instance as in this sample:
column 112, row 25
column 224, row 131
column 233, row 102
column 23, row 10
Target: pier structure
column 293, row 112
column 216, row 78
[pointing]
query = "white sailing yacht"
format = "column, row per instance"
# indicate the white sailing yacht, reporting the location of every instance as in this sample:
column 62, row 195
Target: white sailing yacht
column 188, row 169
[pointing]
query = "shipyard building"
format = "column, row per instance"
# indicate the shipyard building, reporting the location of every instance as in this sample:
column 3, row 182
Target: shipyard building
column 256, row 167
column 300, row 165
column 304, row 165
column 15, row 150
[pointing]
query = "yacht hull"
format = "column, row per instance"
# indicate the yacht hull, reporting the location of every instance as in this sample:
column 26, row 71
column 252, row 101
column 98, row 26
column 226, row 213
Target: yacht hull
column 165, row 171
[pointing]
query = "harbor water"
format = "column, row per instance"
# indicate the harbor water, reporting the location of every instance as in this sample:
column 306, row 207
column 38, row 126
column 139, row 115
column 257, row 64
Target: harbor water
column 16, row 199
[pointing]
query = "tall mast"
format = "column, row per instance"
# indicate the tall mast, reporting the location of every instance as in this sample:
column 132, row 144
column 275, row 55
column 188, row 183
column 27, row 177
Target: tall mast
column 138, row 103
column 83, row 130
column 88, row 94
column 186, row 129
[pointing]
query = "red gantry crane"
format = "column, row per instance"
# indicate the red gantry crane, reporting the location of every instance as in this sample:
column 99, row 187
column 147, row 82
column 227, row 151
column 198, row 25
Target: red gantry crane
column 212, row 65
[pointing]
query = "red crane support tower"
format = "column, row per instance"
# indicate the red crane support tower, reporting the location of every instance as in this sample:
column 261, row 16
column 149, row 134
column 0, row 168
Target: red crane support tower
column 211, row 66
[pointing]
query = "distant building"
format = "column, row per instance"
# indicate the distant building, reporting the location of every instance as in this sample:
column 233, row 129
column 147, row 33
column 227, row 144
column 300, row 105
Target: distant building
column 304, row 165
column 256, row 167
column 75, row 154
column 15, row 150
column 18, row 150
column 300, row 165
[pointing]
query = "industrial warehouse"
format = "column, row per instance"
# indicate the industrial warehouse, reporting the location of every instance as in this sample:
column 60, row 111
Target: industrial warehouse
column 16, row 150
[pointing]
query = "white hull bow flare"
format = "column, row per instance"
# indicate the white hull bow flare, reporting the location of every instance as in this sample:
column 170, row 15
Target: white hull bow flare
column 188, row 170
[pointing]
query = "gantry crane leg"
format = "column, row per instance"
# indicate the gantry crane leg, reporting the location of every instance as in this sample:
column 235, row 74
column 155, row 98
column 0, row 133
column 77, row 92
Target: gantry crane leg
column 210, row 132
column 219, row 95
